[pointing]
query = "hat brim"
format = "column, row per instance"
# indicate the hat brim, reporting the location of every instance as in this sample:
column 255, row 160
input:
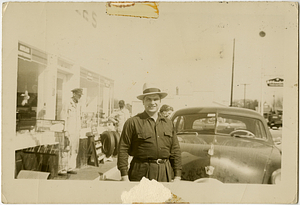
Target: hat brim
column 161, row 94
column 78, row 93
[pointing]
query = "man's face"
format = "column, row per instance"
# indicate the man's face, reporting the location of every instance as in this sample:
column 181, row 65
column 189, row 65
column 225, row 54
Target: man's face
column 167, row 113
column 121, row 105
column 77, row 96
column 152, row 103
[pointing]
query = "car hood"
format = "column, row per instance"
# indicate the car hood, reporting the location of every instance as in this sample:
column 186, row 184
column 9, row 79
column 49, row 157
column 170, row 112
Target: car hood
column 225, row 158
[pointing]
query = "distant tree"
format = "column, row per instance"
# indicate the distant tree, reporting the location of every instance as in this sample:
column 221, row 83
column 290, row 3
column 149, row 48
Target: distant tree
column 249, row 104
column 252, row 104
column 235, row 103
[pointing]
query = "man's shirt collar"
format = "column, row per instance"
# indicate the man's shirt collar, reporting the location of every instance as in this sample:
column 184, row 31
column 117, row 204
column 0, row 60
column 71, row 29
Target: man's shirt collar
column 145, row 116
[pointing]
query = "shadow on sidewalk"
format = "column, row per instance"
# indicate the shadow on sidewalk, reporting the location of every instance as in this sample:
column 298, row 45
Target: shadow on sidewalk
column 89, row 172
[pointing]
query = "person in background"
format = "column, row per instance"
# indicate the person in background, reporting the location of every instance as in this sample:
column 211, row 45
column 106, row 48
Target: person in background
column 151, row 140
column 119, row 117
column 166, row 110
column 72, row 117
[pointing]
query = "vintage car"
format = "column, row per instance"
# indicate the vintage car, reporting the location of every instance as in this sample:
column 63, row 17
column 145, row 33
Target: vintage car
column 275, row 119
column 231, row 145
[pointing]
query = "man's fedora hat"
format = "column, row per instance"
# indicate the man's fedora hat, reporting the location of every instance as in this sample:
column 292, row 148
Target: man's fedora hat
column 150, row 89
column 78, row 91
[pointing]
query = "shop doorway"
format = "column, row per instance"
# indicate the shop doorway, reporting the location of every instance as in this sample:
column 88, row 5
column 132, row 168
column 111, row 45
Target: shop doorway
column 60, row 97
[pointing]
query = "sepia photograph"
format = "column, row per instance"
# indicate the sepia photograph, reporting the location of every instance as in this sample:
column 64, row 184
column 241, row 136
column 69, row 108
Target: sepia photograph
column 150, row 102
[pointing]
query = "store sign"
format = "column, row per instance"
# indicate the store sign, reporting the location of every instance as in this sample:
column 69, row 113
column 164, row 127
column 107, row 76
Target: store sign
column 62, row 63
column 50, row 125
column 89, row 76
column 24, row 51
column 89, row 16
column 275, row 82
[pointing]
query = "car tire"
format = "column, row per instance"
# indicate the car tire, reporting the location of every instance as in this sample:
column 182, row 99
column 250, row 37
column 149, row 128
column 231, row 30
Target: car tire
column 108, row 143
column 117, row 140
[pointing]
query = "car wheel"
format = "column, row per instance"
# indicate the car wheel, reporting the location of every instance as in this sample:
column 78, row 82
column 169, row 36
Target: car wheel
column 108, row 143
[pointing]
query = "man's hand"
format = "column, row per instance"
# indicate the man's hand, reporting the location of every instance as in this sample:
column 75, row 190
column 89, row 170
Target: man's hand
column 177, row 179
column 125, row 178
column 66, row 141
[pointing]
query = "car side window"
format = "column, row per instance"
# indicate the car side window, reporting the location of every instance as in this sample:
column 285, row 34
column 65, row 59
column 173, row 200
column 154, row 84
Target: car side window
column 260, row 132
column 178, row 122
column 175, row 121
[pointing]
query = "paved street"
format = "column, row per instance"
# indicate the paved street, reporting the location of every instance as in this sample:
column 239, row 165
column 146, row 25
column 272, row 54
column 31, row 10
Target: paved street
column 277, row 135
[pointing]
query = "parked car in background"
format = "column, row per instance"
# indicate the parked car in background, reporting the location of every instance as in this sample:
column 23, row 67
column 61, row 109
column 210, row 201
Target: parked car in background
column 275, row 119
column 231, row 145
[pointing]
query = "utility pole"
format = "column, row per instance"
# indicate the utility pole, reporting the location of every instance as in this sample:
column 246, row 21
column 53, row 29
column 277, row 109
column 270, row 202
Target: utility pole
column 262, row 34
column 245, row 93
column 232, row 73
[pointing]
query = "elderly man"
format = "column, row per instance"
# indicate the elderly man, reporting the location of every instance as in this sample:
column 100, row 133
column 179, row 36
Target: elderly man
column 120, row 116
column 72, row 115
column 151, row 140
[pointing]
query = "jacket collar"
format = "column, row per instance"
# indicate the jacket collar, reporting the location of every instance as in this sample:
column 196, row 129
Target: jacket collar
column 144, row 115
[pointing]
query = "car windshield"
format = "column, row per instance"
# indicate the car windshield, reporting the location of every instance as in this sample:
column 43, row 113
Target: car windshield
column 213, row 123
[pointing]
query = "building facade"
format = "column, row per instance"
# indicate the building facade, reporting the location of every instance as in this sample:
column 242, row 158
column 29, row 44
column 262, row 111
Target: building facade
column 48, row 52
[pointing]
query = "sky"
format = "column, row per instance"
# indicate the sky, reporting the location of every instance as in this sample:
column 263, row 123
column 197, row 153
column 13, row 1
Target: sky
column 191, row 45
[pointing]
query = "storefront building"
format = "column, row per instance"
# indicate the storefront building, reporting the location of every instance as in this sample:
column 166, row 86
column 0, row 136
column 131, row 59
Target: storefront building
column 44, row 60
column 44, row 87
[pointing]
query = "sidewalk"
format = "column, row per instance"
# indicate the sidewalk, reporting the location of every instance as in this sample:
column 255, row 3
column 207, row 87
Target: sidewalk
column 89, row 172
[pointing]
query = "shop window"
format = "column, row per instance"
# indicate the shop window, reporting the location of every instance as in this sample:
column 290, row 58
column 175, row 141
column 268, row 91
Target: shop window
column 29, row 83
column 90, row 101
column 96, row 100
